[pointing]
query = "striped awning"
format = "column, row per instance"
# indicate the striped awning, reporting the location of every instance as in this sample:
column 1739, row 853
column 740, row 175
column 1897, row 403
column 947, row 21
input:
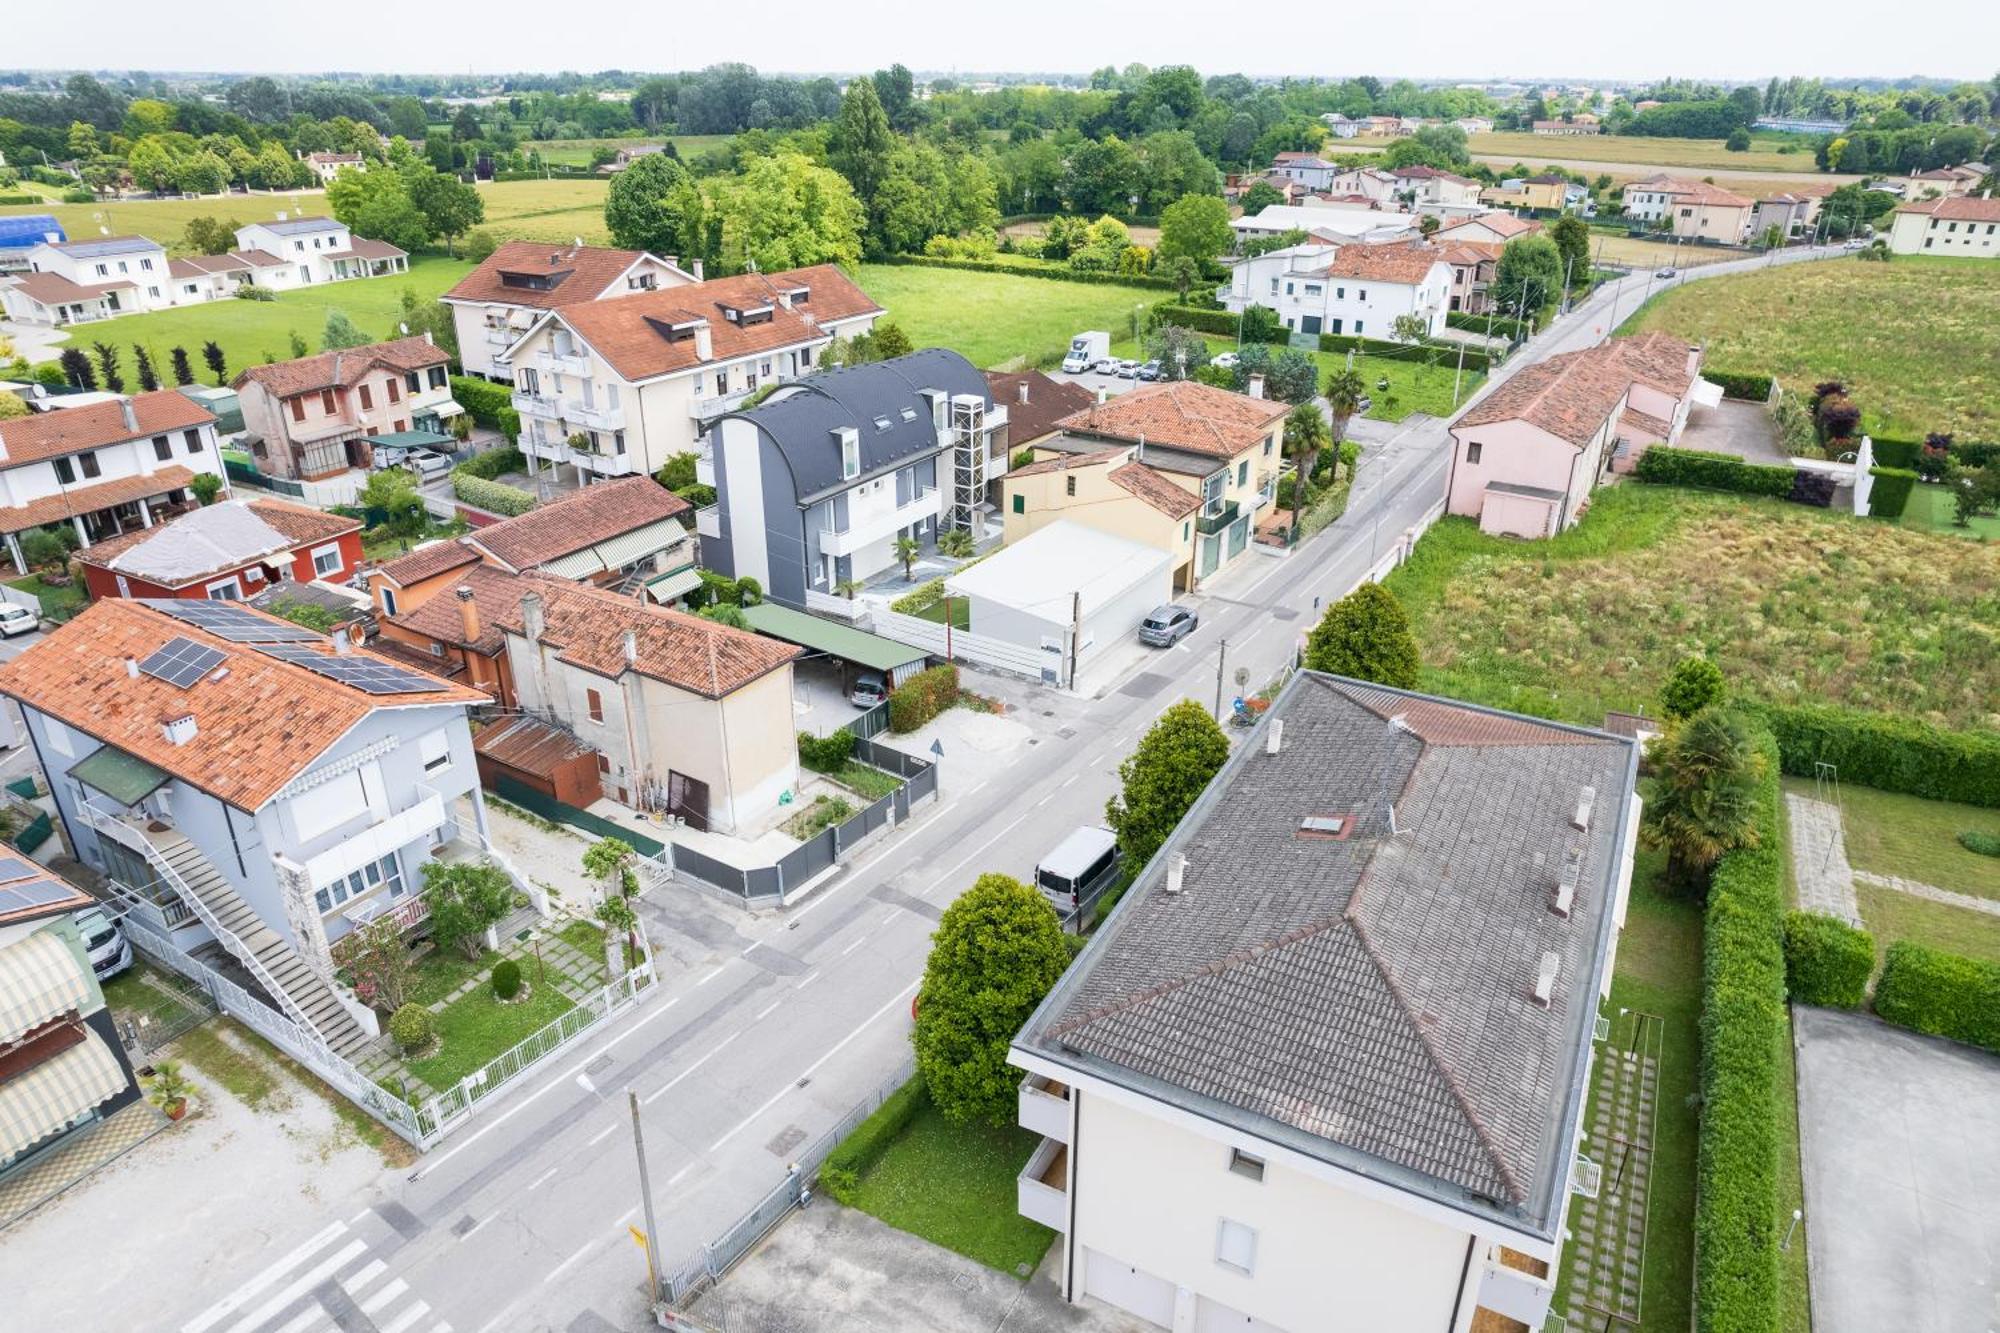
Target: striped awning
column 615, row 553
column 675, row 583
column 40, row 979
column 57, row 1093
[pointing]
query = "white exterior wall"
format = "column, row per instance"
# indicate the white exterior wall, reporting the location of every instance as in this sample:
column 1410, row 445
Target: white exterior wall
column 27, row 482
column 487, row 328
column 146, row 268
column 1917, row 234
column 304, row 253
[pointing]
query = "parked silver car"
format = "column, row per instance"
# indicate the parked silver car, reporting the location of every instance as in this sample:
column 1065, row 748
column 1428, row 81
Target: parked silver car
column 1165, row 626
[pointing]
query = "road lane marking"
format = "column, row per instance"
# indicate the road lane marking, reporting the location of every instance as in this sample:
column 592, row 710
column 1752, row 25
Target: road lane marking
column 601, row 1135
column 852, row 947
column 564, row 1266
column 543, row 1178
column 766, row 1011
column 366, row 1275
column 675, row 1178
column 703, row 981
column 811, row 977
column 384, row 1296
column 408, row 1317
column 813, row 1068
column 668, row 1086
column 319, row 1273
column 223, row 1308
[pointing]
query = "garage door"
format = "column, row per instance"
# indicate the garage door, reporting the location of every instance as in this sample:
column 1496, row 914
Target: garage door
column 1128, row 1288
column 1215, row 1317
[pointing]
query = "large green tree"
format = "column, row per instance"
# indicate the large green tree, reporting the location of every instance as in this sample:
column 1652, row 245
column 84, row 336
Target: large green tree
column 1572, row 237
column 1195, row 226
column 1704, row 802
column 1366, row 635
column 859, row 142
column 465, row 898
column 377, row 204
column 1529, row 274
column 1161, row 779
column 1305, row 432
column 783, row 211
column 1260, row 196
column 637, row 212
column 928, row 192
column 449, row 206
column 996, row 952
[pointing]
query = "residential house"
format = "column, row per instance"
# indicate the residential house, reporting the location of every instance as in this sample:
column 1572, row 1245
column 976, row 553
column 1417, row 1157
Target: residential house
column 492, row 306
column 63, row 1069
column 316, row 249
column 1237, row 184
column 200, row 278
column 1474, row 264
column 106, row 468
column 1474, row 124
column 1370, row 183
column 1563, row 128
column 625, row 157
column 1036, row 405
column 688, row 716
column 1526, row 458
column 326, row 166
column 1342, row 127
column 1691, row 208
column 1945, row 181
column 1486, row 229
column 816, row 485
column 1791, row 213
column 1963, row 228
column 1547, row 192
column 1307, row 170
column 228, row 551
column 1331, row 1051
column 1427, row 187
column 244, row 782
column 74, row 282
column 313, row 417
column 1358, row 288
column 620, row 385
column 1178, row 466
column 1343, row 222
column 1389, row 126
column 22, row 232
column 625, row 535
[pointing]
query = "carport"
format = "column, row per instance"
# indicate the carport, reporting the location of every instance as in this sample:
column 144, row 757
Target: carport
column 857, row 648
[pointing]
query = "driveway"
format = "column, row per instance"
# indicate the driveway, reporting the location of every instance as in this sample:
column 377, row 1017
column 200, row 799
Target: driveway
column 1731, row 427
column 1902, row 1180
column 35, row 342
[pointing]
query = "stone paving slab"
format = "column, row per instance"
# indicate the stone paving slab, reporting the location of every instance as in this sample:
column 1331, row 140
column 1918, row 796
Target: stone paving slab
column 1918, row 889
column 1605, row 1259
column 1819, row 859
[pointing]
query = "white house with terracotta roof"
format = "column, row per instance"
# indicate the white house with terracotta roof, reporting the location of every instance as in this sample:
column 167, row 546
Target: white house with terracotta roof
column 328, row 165
column 1944, row 181
column 1494, row 228
column 314, row 250
column 1953, row 225
column 1691, row 208
column 246, row 782
column 105, row 469
column 75, row 282
column 1308, row 170
column 1353, row 289
column 313, row 417
column 1426, row 186
column 492, row 306
column 620, row 385
column 1371, row 183
column 226, row 551
column 1526, row 458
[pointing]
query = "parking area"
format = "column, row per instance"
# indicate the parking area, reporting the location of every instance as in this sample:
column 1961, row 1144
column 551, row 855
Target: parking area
column 1897, row 1134
column 1730, row 427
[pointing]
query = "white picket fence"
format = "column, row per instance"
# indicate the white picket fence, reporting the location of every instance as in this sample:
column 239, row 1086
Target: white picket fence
column 957, row 644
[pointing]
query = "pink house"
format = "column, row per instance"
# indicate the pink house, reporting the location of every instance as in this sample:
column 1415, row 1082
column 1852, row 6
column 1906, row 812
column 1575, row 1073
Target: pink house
column 1526, row 458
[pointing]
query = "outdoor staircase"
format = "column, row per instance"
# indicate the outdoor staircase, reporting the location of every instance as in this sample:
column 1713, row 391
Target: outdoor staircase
column 304, row 996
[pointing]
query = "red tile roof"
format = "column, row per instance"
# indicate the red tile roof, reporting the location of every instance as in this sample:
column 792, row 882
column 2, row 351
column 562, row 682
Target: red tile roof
column 1956, row 208
column 50, row 434
column 428, row 562
column 1572, row 395
column 1181, row 414
column 55, row 289
column 1406, row 263
column 1049, row 401
column 1149, row 485
column 76, row 501
column 1071, row 462
column 587, row 272
column 347, row 365
column 1504, row 224
column 442, row 619
column 583, row 518
column 1693, row 191
column 294, row 525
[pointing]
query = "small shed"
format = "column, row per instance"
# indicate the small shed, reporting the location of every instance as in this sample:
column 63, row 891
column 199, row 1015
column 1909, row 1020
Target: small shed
column 538, row 755
column 1062, row 578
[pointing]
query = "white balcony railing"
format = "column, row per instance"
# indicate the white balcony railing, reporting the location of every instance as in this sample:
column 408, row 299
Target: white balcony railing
column 714, row 405
column 1044, row 1109
column 708, row 521
column 704, row 468
column 876, row 527
column 535, row 405
column 599, row 417
column 1517, row 1294
column 565, row 363
column 378, row 840
column 1041, row 1191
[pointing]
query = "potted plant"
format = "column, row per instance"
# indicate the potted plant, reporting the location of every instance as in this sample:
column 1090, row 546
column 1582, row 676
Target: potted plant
column 169, row 1090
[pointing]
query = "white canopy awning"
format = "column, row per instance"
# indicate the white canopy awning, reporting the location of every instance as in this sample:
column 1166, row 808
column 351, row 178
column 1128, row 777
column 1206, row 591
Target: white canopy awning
column 1707, row 394
column 40, row 979
column 57, row 1093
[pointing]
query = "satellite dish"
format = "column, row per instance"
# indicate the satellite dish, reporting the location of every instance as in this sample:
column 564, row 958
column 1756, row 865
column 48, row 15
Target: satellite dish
column 405, row 328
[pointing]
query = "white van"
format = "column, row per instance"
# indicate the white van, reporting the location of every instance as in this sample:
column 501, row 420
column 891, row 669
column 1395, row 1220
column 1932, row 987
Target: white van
column 1081, row 865
column 110, row 952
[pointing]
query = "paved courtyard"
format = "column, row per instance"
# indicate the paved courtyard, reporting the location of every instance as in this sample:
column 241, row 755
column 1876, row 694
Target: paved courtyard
column 1731, row 427
column 1898, row 1135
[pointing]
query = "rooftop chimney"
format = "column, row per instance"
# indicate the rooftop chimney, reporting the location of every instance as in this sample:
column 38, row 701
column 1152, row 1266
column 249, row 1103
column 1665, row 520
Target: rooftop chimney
column 131, row 417
column 132, row 667
column 1545, row 979
column 342, row 644
column 1256, row 386
column 631, row 644
column 1584, row 801
column 1103, row 397
column 178, row 730
column 1024, row 392
column 468, row 614
column 704, row 345
column 427, row 336
column 697, row 272
column 1176, row 873
column 1274, row 739
column 531, row 616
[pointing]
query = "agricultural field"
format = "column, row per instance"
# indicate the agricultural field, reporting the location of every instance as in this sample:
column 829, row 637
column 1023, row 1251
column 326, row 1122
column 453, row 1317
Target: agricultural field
column 254, row 332
column 1917, row 341
column 576, row 152
column 1651, row 153
column 165, row 220
column 1794, row 604
column 990, row 318
column 1611, row 248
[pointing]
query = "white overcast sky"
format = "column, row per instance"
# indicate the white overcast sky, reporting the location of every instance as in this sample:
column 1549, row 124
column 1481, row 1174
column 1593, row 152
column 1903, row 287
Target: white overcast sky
column 1460, row 39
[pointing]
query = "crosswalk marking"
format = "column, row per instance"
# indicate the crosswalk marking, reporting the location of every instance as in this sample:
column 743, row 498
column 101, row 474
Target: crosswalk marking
column 384, row 1296
column 408, row 1317
column 295, row 1282
column 306, row 1319
column 317, row 1274
column 229, row 1304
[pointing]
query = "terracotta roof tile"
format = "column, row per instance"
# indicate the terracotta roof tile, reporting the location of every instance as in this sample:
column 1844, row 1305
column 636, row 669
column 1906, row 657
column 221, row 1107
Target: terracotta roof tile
column 587, row 272
column 335, row 369
column 1181, row 414
column 291, row 525
column 1049, row 401
column 1070, row 462
column 79, row 500
column 1147, row 483
column 584, row 518
column 1956, row 208
column 442, row 620
column 428, row 562
column 51, row 434
column 55, row 289
column 1693, row 191
column 1504, row 224
column 1572, row 395
column 257, row 727
column 1407, row 263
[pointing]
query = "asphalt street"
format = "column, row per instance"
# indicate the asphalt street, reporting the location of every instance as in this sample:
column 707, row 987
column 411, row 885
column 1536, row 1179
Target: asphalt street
column 778, row 1024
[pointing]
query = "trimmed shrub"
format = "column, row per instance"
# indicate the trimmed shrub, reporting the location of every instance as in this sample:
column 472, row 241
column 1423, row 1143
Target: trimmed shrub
column 920, row 599
column 1812, row 488
column 922, row 697
column 493, row 462
column 412, row 1028
column 1928, row 990
column 1446, row 353
column 1666, row 466
column 1827, row 961
column 506, row 979
column 493, row 496
column 1031, row 270
column 1890, row 495
column 1737, row 384
column 840, row 1175
column 1888, row 752
column 489, row 404
column 826, row 754
column 1742, row 1023
column 1978, row 843
column 1501, row 327
column 1220, row 322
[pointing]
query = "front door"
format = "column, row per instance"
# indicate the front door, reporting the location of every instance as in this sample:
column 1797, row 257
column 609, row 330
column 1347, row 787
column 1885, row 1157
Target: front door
column 1309, row 323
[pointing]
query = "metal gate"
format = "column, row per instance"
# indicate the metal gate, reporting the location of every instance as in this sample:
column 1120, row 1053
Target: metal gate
column 687, row 798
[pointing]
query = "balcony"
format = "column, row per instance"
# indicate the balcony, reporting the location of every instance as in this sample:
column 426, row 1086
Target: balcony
column 1044, row 1108
column 564, row 363
column 704, row 468
column 499, row 336
column 713, row 406
column 1515, row 1286
column 879, row 527
column 593, row 418
column 379, row 839
column 1216, row 519
column 1041, row 1191
column 708, row 521
column 536, row 405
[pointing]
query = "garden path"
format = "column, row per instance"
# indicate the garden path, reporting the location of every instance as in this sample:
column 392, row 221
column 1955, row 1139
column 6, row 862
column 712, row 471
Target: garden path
column 1819, row 859
column 1919, row 889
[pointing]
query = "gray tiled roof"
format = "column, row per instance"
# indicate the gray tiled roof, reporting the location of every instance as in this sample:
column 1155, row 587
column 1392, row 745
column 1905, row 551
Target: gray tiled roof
column 1369, row 999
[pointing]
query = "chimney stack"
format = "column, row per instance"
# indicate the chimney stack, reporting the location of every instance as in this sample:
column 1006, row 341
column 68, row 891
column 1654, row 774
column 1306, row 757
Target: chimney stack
column 468, row 614
column 704, row 345
column 1256, row 386
column 531, row 616
column 178, row 730
column 1274, row 739
column 697, row 272
column 1176, row 873
column 1024, row 392
column 131, row 417
column 631, row 643
column 342, row 644
column 132, row 667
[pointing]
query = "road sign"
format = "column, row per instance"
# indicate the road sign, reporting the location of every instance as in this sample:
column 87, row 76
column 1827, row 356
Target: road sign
column 638, row 1237
column 937, row 748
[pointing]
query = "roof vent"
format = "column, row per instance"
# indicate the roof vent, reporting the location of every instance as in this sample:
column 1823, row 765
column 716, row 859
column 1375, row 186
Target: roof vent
column 178, row 730
column 1572, row 873
column 1274, row 739
column 1176, row 872
column 1545, row 979
column 1581, row 819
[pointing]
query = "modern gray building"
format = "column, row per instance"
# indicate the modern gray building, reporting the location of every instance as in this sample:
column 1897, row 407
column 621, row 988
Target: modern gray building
column 815, row 485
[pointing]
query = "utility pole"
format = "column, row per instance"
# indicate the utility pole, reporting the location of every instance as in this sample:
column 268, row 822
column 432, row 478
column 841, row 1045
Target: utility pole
column 1075, row 631
column 1457, row 378
column 1221, row 659
column 653, row 1296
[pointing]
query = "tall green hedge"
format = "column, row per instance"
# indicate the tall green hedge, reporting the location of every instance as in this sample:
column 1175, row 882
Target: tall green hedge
column 922, row 697
column 1827, row 961
column 492, row 462
column 1220, row 322
column 1891, row 452
column 489, row 404
column 1499, row 326
column 828, row 753
column 1890, row 495
column 1742, row 1026
column 1739, row 384
column 1028, row 269
column 495, row 497
column 1942, row 994
column 1447, row 353
column 1888, row 752
column 840, row 1175
column 1667, row 466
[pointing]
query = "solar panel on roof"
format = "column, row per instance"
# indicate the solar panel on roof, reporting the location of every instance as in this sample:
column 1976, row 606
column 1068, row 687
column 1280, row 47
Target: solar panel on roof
column 181, row 662
column 31, row 893
column 13, row 867
column 368, row 674
column 226, row 620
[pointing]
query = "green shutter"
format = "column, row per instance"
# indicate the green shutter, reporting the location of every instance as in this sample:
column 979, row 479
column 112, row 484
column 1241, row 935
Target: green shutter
column 1020, row 504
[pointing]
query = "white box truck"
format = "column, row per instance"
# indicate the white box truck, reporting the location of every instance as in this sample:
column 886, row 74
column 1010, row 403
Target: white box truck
column 1085, row 351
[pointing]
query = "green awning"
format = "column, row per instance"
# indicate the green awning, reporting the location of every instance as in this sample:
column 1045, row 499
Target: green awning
column 412, row 439
column 125, row 778
column 674, row 583
column 842, row 641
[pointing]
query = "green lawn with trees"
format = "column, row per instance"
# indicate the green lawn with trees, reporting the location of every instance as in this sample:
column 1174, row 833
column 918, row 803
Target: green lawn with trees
column 995, row 318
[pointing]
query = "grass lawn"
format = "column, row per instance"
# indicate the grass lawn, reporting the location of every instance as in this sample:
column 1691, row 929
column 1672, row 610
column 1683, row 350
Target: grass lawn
column 139, row 991
column 1414, row 385
column 1643, row 254
column 1533, row 149
column 254, row 332
column 953, row 1185
column 576, row 152
column 1917, row 341
column 165, row 220
column 478, row 1029
column 993, row 317
column 55, row 601
column 263, row 1078
column 443, row 971
column 506, row 200
column 584, row 938
column 1792, row 603
column 1892, row 916
column 1893, row 834
column 1931, row 510
column 959, row 608
column 871, row 784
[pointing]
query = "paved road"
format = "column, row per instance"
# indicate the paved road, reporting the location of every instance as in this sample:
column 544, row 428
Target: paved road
column 776, row 1025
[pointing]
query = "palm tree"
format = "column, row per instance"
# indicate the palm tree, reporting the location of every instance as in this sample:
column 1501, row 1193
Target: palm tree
column 907, row 551
column 1305, row 432
column 1344, row 392
column 1706, row 803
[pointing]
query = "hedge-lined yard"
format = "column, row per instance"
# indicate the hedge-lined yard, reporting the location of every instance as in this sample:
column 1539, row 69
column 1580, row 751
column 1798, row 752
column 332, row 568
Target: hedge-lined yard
column 992, row 317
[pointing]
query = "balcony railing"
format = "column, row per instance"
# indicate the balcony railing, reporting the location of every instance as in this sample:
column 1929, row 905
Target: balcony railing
column 708, row 521
column 408, row 911
column 876, row 527
column 1215, row 520
column 565, row 363
column 1044, row 1108
column 1041, row 1191
column 1517, row 1286
column 598, row 417
column 704, row 468
column 536, row 405
column 707, row 409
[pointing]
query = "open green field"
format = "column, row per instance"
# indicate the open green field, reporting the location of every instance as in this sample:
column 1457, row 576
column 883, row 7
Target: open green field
column 1931, row 510
column 576, row 152
column 166, row 219
column 254, row 332
column 1891, row 916
column 557, row 211
column 1917, row 341
column 993, row 317
column 1647, row 152
column 1893, row 834
column 1794, row 604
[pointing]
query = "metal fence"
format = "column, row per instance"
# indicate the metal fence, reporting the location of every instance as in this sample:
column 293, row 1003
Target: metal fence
column 963, row 645
column 871, row 723
column 702, row 1268
column 189, row 1007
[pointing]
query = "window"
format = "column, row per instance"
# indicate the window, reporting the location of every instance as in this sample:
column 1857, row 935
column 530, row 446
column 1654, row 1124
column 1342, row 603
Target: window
column 1235, row 1246
column 1289, row 289
column 103, row 272
column 435, row 749
column 850, row 456
column 192, row 439
column 594, row 701
column 225, row 591
column 603, row 764
column 1314, row 289
column 163, row 448
column 1270, row 443
column 1359, row 324
column 1069, row 485
column 88, row 462
column 1361, row 294
column 326, row 560
column 367, row 400
column 395, row 389
column 298, row 409
column 1274, row 286
column 361, row 883
column 153, row 292
column 529, row 382
column 618, row 441
column 326, row 401
column 1020, row 503
column 65, row 472
column 1243, row 473
column 1243, row 1164
column 1340, row 293
column 1186, row 528
column 388, row 600
column 410, row 380
column 1472, row 452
